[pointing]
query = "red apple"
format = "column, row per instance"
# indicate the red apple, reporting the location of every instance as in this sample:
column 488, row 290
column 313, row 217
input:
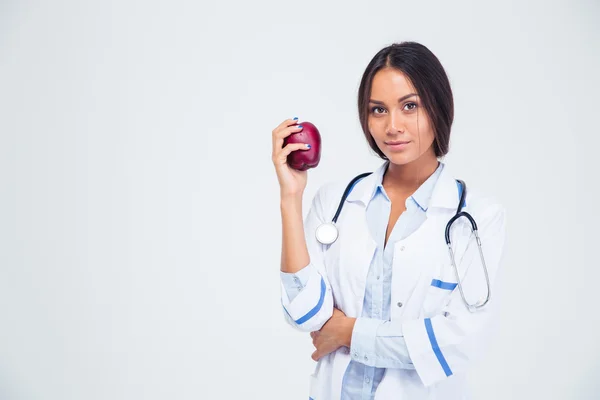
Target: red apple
column 304, row 159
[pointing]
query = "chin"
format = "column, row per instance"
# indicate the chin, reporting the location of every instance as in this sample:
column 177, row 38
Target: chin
column 401, row 159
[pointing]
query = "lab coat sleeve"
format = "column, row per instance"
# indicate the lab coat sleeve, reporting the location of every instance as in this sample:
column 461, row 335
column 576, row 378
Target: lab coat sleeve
column 378, row 343
column 293, row 283
column 309, row 308
column 448, row 343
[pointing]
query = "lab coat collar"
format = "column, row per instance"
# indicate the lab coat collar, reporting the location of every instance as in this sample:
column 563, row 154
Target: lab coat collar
column 422, row 195
column 445, row 192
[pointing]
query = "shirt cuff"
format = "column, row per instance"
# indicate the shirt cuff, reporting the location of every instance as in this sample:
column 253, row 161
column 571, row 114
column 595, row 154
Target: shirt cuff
column 380, row 344
column 362, row 346
column 295, row 282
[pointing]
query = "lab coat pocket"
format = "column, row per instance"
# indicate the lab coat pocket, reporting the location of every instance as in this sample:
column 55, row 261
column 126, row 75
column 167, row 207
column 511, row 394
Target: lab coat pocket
column 441, row 287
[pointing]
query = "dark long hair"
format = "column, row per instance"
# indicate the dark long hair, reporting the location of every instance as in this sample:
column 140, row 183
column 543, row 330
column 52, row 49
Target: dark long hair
column 425, row 72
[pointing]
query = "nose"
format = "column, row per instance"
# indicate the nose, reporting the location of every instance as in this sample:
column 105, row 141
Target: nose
column 396, row 122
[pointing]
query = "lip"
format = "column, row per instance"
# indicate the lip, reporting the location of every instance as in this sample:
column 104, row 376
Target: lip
column 397, row 145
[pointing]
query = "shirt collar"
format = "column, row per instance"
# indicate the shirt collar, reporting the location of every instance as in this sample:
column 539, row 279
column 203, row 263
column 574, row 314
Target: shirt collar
column 423, row 194
column 374, row 182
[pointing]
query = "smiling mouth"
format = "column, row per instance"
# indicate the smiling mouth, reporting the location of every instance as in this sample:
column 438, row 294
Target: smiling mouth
column 397, row 142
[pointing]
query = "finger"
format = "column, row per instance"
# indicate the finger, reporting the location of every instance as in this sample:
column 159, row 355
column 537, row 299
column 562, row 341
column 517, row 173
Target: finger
column 287, row 150
column 287, row 131
column 279, row 136
column 286, row 128
column 315, row 356
column 281, row 157
column 318, row 341
column 286, row 123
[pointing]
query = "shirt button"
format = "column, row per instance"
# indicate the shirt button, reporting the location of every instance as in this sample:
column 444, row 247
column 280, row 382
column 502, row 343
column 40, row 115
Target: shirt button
column 368, row 380
column 366, row 358
column 399, row 304
column 355, row 354
column 402, row 248
column 378, row 277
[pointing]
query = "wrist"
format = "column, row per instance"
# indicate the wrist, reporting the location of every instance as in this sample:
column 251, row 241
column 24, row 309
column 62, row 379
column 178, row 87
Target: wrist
column 290, row 200
column 291, row 193
column 347, row 332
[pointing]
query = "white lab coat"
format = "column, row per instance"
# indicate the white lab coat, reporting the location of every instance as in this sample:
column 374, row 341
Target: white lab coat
column 441, row 335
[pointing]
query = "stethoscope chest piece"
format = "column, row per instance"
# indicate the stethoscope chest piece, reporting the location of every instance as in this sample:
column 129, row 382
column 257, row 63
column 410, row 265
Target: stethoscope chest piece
column 327, row 233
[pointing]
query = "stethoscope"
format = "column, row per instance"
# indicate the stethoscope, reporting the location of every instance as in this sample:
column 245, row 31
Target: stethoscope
column 327, row 233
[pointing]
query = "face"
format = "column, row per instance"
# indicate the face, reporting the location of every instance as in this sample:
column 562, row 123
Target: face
column 397, row 119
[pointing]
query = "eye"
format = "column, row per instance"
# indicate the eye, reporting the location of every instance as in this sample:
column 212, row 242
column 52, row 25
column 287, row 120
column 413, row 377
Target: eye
column 375, row 110
column 412, row 106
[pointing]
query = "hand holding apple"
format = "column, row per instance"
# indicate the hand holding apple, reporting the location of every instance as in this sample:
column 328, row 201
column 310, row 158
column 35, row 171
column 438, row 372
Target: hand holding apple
column 303, row 160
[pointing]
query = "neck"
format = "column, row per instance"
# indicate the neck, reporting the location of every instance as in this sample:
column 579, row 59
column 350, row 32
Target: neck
column 407, row 178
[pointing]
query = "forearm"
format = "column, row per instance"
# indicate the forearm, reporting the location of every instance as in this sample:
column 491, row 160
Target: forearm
column 310, row 305
column 294, row 252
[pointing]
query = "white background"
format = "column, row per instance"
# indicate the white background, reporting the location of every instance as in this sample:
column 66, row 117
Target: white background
column 139, row 213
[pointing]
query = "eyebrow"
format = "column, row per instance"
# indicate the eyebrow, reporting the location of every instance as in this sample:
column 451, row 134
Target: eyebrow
column 401, row 99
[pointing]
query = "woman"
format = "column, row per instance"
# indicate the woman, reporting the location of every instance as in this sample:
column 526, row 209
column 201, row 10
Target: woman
column 382, row 303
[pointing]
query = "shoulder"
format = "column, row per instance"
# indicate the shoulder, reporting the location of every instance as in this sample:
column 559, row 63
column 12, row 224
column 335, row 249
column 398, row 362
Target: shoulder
column 479, row 203
column 485, row 207
column 329, row 195
column 330, row 192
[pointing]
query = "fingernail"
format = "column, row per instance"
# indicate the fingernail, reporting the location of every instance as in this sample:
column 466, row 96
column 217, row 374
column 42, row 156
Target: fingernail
column 307, row 146
column 299, row 126
column 295, row 117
